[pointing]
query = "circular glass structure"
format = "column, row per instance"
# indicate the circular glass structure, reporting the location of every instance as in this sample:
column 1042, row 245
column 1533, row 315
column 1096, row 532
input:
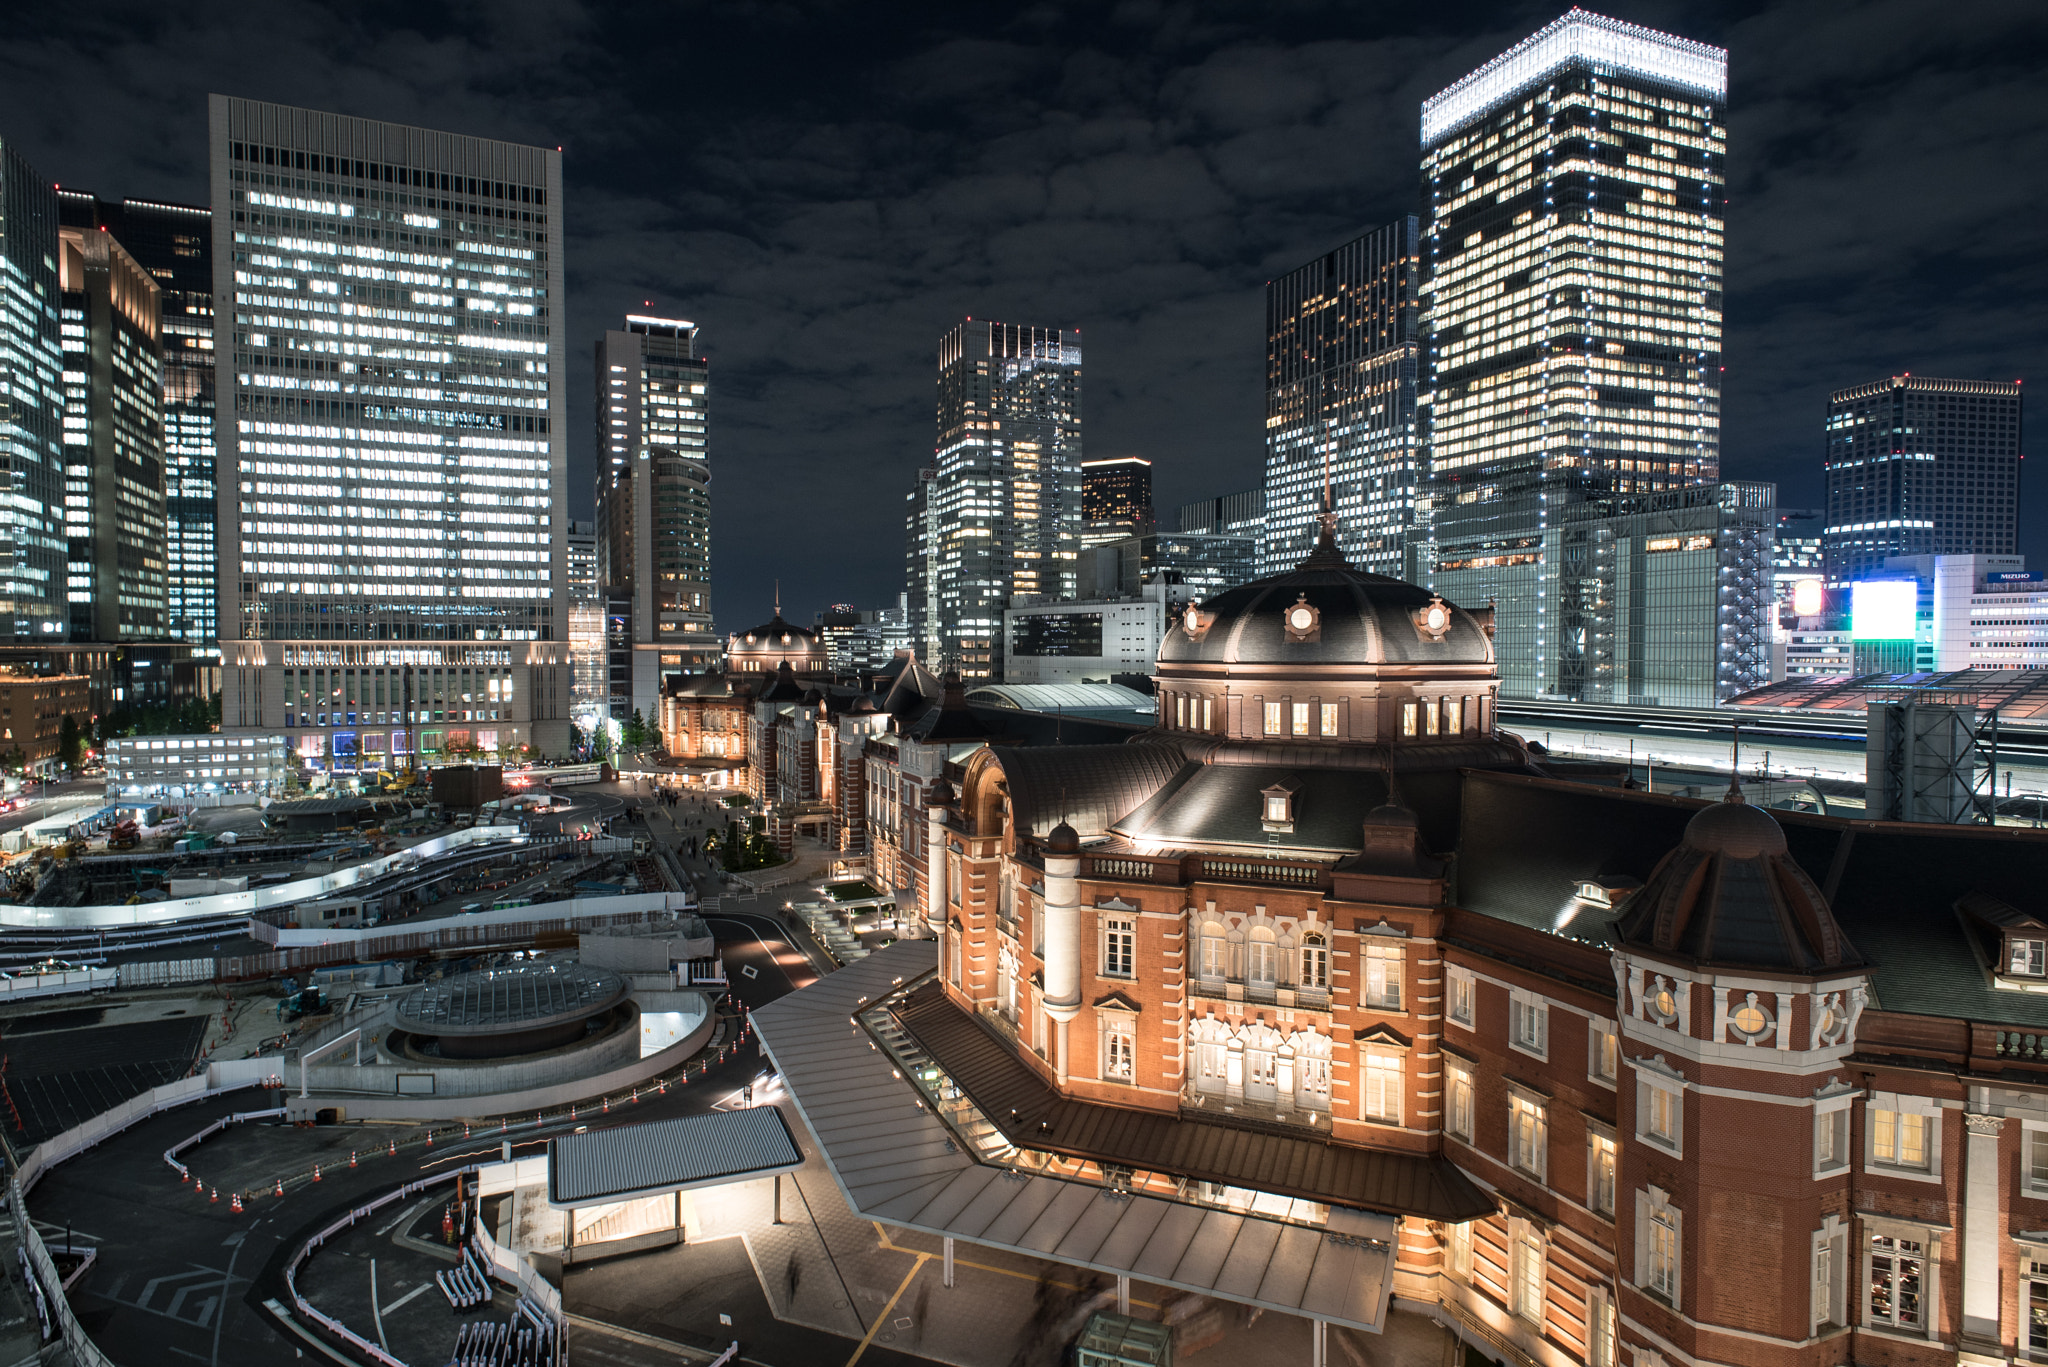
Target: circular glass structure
column 503, row 1012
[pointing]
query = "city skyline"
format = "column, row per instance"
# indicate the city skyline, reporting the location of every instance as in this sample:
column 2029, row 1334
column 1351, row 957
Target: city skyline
column 1157, row 244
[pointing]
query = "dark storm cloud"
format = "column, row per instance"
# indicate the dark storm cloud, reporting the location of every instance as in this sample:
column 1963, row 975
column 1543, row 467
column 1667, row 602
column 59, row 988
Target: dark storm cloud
column 826, row 188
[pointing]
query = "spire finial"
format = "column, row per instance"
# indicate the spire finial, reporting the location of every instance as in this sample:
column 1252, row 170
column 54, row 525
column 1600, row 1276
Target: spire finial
column 778, row 598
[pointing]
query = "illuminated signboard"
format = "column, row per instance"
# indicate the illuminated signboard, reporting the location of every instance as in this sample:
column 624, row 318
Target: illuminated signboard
column 1809, row 596
column 1883, row 609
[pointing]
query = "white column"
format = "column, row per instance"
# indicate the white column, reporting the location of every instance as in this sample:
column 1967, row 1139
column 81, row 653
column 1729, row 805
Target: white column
column 1062, row 945
column 1319, row 1348
column 1123, row 1295
column 1981, row 1235
column 935, row 871
column 949, row 1260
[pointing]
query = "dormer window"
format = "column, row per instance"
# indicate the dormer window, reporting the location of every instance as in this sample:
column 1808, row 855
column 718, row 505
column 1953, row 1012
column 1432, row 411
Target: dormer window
column 1277, row 805
column 2027, row 957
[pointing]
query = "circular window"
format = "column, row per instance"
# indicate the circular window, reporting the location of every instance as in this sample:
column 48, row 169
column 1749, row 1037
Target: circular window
column 1664, row 1004
column 1437, row 618
column 1828, row 1019
column 1750, row 1019
column 1300, row 618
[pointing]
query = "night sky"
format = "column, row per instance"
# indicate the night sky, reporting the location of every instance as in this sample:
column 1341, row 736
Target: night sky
column 826, row 188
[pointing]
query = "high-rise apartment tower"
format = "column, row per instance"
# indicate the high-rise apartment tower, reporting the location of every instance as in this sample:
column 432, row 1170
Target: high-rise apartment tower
column 32, row 539
column 1000, row 514
column 1572, row 315
column 654, row 499
column 391, row 439
column 1920, row 466
column 174, row 242
column 1341, row 364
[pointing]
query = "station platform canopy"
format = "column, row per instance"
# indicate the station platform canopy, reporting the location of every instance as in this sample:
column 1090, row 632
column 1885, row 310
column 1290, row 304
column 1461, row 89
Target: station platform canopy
column 1108, row 702
column 630, row 1161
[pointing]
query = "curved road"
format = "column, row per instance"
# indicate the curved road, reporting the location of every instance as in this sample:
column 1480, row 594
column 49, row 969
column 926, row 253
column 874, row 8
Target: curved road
column 180, row 1278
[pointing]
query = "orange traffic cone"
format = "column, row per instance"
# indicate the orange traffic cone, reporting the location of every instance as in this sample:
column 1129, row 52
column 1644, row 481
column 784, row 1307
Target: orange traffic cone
column 237, row 1203
column 316, row 1172
column 280, row 1186
column 607, row 1106
column 216, row 1196
column 351, row 1157
column 394, row 1149
column 430, row 1139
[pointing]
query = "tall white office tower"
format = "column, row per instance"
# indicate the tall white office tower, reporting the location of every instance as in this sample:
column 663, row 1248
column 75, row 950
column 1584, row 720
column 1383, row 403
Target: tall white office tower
column 392, row 446
column 1574, row 203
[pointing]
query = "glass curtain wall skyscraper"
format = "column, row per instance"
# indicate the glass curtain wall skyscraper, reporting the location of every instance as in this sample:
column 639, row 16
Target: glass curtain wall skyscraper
column 113, row 440
column 654, row 500
column 1341, row 366
column 1000, row 515
column 174, row 242
column 1116, row 499
column 32, row 542
column 1572, row 315
column 1921, row 466
column 391, row 442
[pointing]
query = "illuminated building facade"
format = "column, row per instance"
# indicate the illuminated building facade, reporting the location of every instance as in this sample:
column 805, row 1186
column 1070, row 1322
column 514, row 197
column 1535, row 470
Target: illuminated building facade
column 391, row 524
column 1341, row 363
column 174, row 242
column 113, row 440
column 1326, row 973
column 1116, row 499
column 1000, row 512
column 1920, row 466
column 586, row 619
column 32, row 606
column 1572, row 314
column 654, row 499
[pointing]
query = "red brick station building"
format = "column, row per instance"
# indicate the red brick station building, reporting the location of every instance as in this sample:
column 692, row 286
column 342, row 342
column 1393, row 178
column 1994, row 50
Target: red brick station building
column 1323, row 996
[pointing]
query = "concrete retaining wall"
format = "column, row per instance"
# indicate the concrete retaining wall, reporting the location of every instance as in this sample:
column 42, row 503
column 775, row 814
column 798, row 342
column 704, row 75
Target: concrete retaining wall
column 618, row 1083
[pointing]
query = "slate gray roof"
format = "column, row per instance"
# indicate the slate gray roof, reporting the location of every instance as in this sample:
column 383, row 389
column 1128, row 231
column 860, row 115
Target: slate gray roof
column 1089, row 786
column 897, row 1163
column 1529, row 841
column 669, row 1155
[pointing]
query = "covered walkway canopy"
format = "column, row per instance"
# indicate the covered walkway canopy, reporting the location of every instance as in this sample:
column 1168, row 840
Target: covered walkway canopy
column 631, row 1161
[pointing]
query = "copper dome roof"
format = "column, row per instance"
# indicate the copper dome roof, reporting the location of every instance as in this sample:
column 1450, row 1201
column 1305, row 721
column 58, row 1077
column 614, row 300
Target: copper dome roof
column 1326, row 612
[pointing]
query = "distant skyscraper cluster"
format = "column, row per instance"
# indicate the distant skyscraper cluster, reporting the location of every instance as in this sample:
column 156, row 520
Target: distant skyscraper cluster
column 997, row 511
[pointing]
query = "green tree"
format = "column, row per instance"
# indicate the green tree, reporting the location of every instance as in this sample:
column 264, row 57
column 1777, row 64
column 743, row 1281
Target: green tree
column 70, row 742
column 633, row 733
